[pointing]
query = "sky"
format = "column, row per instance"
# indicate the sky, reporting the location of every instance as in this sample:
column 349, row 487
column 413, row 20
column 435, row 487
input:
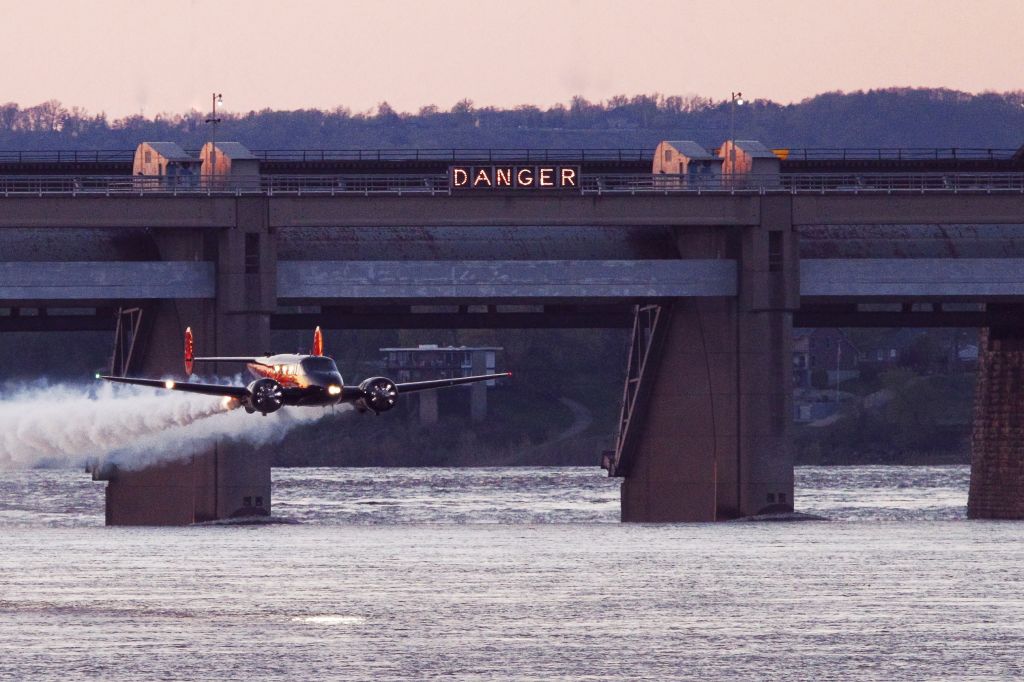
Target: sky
column 127, row 57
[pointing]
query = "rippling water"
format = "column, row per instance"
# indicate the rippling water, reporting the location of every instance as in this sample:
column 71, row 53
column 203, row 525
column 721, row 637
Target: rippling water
column 512, row 574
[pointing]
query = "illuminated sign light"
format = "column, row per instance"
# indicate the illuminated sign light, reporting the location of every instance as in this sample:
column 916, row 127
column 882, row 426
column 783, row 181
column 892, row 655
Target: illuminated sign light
column 514, row 177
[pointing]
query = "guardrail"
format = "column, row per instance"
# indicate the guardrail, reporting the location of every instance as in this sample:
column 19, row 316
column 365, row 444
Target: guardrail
column 455, row 155
column 805, row 183
column 312, row 155
column 525, row 154
column 855, row 183
column 899, row 154
column 438, row 184
column 69, row 156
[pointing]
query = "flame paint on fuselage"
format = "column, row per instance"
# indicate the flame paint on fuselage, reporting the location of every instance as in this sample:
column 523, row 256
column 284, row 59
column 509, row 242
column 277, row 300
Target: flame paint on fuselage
column 308, row 374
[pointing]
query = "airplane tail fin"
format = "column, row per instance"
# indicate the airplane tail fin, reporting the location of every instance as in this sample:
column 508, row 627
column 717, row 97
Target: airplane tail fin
column 190, row 353
column 318, row 342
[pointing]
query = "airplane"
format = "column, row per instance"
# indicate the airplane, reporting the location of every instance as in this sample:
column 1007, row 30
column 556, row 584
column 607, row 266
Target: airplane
column 298, row 380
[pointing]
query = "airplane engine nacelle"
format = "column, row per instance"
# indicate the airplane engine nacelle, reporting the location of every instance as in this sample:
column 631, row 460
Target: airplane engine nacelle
column 379, row 395
column 265, row 396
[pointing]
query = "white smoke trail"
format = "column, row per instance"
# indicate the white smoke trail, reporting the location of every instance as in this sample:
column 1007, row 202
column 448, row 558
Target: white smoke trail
column 132, row 426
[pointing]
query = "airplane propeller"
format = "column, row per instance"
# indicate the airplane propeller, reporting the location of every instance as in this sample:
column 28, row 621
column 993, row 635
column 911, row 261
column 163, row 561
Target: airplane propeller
column 267, row 395
column 380, row 394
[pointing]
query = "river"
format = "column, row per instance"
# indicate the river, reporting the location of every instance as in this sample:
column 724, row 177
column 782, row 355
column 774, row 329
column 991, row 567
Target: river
column 506, row 573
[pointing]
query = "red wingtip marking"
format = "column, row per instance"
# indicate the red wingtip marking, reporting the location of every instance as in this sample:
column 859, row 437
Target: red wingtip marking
column 189, row 351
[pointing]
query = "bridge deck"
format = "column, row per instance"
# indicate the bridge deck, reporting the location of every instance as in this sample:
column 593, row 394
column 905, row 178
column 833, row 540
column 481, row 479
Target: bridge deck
column 969, row 279
column 648, row 200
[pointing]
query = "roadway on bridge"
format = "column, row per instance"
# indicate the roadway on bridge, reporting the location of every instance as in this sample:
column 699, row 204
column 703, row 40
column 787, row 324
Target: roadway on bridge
column 975, row 279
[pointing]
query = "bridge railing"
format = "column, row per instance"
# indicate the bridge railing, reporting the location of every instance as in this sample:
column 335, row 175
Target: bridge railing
column 497, row 155
column 902, row 182
column 899, row 154
column 68, row 156
column 802, row 183
column 455, row 155
column 541, row 155
column 438, row 184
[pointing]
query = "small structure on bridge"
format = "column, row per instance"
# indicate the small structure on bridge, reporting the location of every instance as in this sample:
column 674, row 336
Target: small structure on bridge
column 168, row 160
column 752, row 158
column 430, row 361
column 229, row 159
column 686, row 158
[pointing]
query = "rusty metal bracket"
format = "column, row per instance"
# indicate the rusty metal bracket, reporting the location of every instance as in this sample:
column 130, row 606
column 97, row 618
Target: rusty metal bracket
column 650, row 324
column 129, row 320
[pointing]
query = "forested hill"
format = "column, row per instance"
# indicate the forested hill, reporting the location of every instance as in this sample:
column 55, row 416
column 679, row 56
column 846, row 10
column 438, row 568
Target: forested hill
column 900, row 117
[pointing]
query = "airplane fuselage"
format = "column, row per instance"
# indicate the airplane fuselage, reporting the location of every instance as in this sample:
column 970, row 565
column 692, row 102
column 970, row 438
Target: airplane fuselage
column 304, row 379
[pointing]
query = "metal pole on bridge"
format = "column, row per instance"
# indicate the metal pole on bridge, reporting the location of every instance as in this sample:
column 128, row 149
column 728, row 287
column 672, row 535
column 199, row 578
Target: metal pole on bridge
column 735, row 99
column 216, row 98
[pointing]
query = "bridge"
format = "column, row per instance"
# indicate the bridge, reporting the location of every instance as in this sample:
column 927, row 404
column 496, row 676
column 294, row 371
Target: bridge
column 710, row 274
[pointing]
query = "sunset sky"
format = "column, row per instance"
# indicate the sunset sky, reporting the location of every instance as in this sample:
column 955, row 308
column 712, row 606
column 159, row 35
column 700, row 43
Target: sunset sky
column 129, row 56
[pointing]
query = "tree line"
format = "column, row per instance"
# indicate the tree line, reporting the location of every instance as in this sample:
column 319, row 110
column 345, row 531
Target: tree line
column 893, row 117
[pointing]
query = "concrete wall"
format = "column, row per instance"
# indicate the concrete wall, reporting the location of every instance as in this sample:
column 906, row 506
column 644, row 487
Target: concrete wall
column 945, row 278
column 686, row 441
column 84, row 281
column 561, row 209
column 997, row 441
column 506, row 279
column 975, row 279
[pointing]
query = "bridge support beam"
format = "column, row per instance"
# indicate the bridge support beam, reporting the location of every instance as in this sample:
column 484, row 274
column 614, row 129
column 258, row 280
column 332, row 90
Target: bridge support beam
column 222, row 480
column 997, row 441
column 709, row 436
column 713, row 442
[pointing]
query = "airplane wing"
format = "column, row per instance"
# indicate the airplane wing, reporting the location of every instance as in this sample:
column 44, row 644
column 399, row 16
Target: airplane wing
column 412, row 386
column 258, row 361
column 189, row 387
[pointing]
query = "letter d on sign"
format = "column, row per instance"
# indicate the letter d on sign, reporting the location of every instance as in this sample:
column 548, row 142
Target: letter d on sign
column 460, row 177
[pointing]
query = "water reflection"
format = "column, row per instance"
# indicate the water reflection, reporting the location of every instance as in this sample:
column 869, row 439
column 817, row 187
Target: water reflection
column 499, row 495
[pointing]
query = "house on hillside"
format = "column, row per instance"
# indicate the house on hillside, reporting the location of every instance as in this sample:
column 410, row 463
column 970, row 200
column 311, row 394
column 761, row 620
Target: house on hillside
column 823, row 358
column 966, row 358
column 887, row 349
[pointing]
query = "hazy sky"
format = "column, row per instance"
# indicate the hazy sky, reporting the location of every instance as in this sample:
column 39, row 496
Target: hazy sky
column 131, row 56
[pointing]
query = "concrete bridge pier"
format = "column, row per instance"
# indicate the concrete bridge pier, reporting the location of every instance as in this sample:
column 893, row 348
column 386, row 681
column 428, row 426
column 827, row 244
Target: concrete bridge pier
column 204, row 482
column 246, row 282
column 708, row 438
column 714, row 439
column 997, row 441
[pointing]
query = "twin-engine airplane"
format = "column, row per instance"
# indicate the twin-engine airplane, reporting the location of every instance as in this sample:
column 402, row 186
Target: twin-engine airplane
column 293, row 379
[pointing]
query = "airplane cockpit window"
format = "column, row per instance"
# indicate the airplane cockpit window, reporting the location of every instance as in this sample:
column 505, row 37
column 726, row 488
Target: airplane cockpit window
column 319, row 364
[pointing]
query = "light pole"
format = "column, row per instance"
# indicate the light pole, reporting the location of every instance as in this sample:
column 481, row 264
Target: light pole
column 736, row 99
column 216, row 98
column 1022, row 144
